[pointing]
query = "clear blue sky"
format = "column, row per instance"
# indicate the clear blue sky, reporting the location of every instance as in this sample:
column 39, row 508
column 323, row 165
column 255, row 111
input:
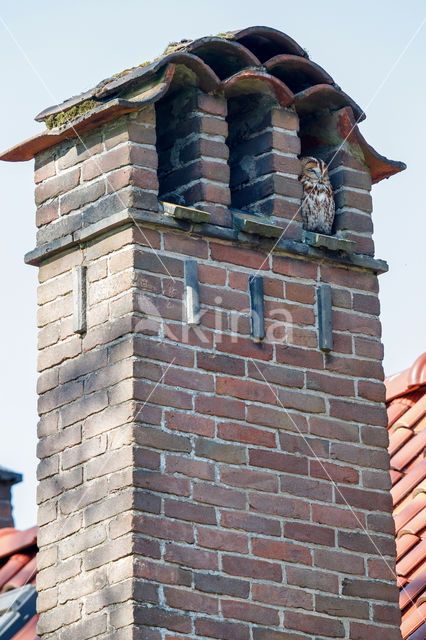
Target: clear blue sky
column 50, row 51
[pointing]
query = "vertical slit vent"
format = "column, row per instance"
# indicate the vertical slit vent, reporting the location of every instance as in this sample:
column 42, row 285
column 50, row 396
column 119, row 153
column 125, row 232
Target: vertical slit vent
column 79, row 297
column 257, row 321
column 192, row 296
column 325, row 327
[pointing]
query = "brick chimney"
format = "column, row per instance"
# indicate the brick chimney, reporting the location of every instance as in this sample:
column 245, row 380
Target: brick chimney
column 7, row 479
column 212, row 434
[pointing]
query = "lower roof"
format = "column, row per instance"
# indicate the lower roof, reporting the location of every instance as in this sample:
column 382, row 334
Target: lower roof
column 406, row 406
column 18, row 617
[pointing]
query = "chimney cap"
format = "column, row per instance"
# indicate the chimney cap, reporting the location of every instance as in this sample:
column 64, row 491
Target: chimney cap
column 7, row 476
column 258, row 58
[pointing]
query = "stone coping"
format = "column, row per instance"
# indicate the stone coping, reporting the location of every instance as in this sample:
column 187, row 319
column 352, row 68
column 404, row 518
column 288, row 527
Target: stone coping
column 128, row 217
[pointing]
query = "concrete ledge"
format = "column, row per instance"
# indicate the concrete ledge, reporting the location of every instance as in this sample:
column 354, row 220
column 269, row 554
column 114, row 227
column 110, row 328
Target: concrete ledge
column 129, row 217
column 333, row 243
column 255, row 225
column 185, row 213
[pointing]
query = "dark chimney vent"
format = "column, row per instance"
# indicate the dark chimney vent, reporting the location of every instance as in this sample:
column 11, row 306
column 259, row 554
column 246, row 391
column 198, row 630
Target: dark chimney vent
column 7, row 479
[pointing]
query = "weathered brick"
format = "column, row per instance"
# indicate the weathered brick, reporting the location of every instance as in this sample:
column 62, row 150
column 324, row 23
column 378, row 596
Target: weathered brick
column 243, row 433
column 279, row 550
column 218, row 584
column 312, row 579
column 249, row 612
column 193, row 481
column 222, row 540
column 341, row 607
column 314, row 624
column 248, row 522
column 247, row 478
column 221, row 629
column 364, row 631
column 220, row 496
column 282, row 596
column 245, row 567
column 57, row 185
column 279, row 505
column 190, row 557
column 366, row 589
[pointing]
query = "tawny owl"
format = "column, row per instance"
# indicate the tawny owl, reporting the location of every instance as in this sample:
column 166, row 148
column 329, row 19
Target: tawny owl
column 317, row 203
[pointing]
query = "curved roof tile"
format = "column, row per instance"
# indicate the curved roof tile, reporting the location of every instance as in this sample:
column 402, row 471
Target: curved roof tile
column 406, row 404
column 297, row 72
column 12, row 567
column 408, row 380
column 118, row 85
column 267, row 42
column 380, row 167
column 325, row 96
column 253, row 81
column 213, row 63
column 223, row 55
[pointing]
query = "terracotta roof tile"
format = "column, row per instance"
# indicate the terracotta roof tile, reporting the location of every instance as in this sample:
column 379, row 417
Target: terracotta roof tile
column 24, row 576
column 421, row 488
column 414, row 621
column 420, row 634
column 12, row 567
column 404, row 544
column 18, row 568
column 416, row 525
column 412, row 559
column 398, row 438
column 412, row 449
column 412, row 589
column 395, row 410
column 16, row 541
column 270, row 59
column 406, row 403
column 413, row 415
column 402, row 383
column 409, row 482
column 404, row 516
column 395, row 476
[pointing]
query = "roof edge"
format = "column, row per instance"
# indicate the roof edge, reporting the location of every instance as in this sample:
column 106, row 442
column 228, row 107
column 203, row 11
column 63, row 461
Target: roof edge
column 408, row 380
column 380, row 166
column 96, row 117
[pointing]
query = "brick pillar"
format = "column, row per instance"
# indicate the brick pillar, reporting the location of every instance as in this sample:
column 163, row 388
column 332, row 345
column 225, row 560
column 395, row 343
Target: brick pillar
column 193, row 482
column 193, row 154
column 86, row 402
column 81, row 182
column 265, row 167
column 7, row 480
column 332, row 138
column 351, row 183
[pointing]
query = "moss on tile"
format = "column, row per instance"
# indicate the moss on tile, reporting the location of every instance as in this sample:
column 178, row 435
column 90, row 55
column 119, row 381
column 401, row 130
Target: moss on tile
column 58, row 119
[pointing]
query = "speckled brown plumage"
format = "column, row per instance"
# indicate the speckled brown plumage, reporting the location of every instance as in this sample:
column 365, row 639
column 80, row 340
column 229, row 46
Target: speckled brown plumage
column 317, row 208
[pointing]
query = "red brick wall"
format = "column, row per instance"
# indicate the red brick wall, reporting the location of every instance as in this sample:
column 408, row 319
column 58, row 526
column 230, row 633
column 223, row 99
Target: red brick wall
column 194, row 483
column 193, row 168
column 265, row 167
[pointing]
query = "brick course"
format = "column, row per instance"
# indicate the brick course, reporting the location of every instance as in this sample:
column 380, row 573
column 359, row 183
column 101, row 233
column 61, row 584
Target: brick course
column 264, row 163
column 193, row 168
column 191, row 480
